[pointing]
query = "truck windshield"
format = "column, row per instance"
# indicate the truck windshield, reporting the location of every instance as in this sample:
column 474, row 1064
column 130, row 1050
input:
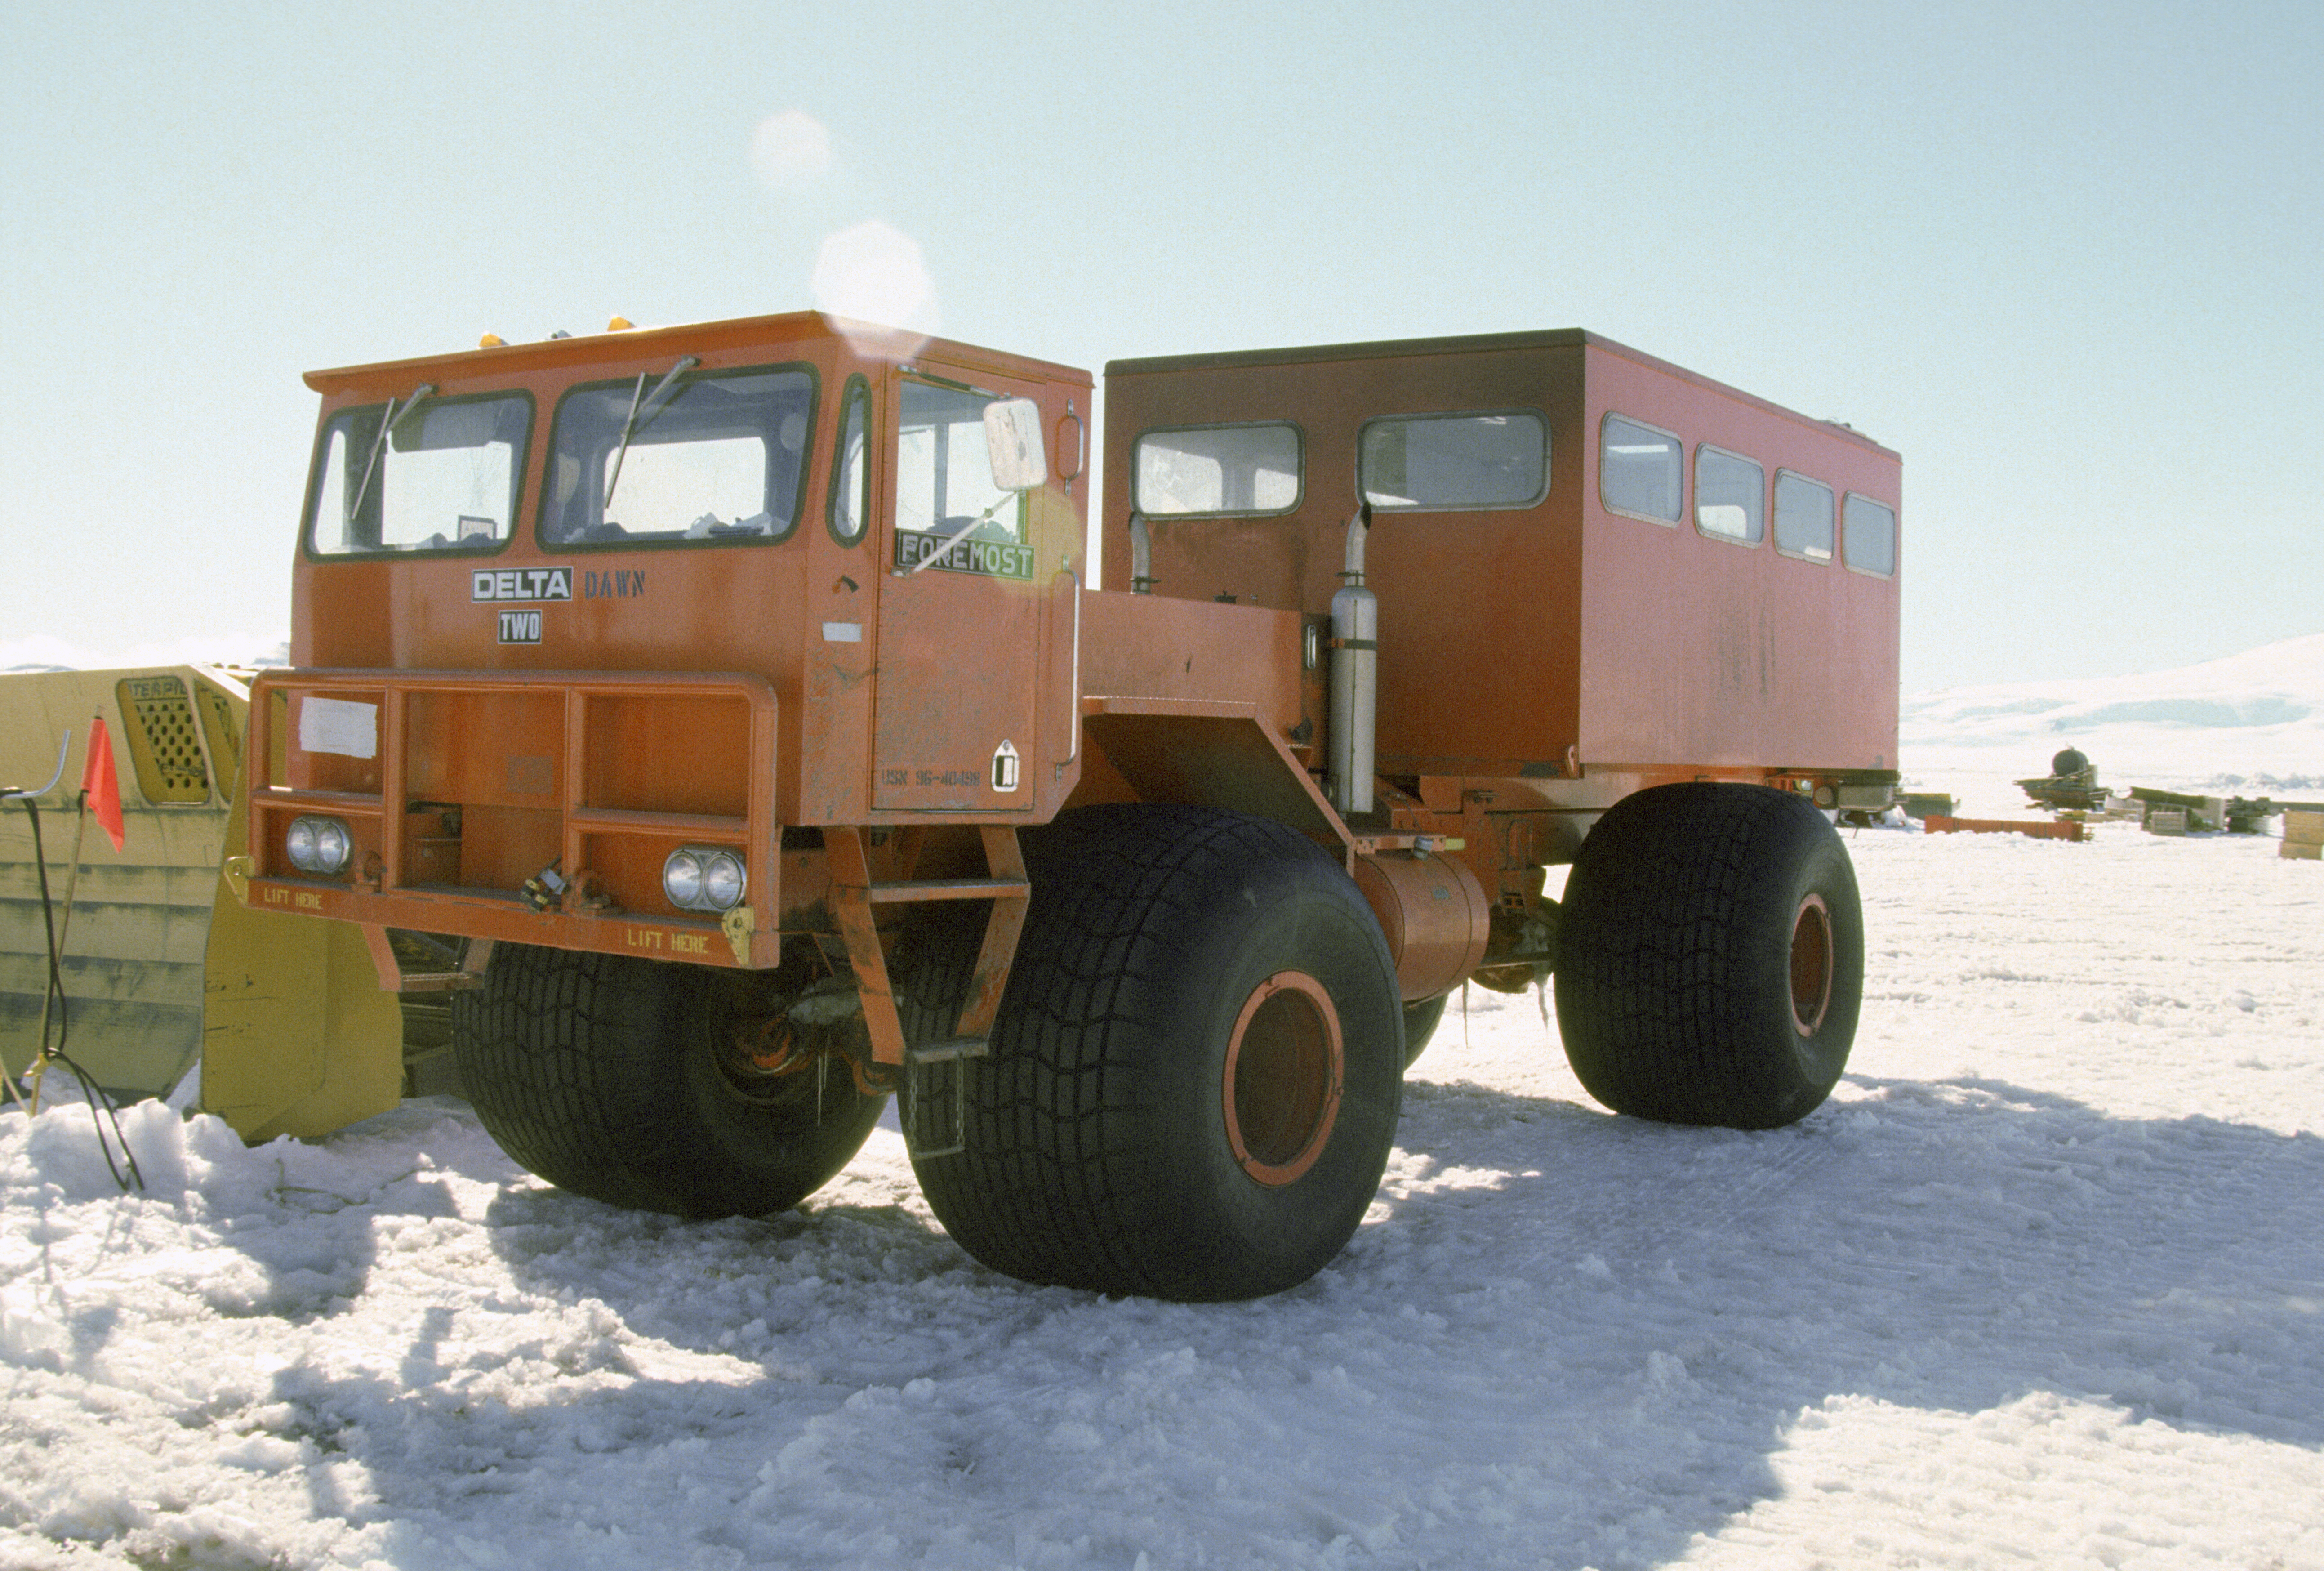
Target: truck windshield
column 720, row 459
column 445, row 478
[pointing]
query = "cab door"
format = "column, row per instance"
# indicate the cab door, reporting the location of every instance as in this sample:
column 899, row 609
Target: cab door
column 956, row 696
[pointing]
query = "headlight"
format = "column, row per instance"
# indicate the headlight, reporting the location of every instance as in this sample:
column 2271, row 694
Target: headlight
column 681, row 880
column 317, row 845
column 331, row 845
column 703, row 878
column 722, row 882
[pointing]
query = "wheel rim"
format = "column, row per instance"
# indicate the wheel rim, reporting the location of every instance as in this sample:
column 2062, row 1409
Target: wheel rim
column 759, row 1058
column 1812, row 964
column 1285, row 1067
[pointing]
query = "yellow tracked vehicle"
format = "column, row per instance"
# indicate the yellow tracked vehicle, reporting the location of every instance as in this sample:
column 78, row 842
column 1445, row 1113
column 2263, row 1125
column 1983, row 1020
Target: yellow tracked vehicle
column 161, row 967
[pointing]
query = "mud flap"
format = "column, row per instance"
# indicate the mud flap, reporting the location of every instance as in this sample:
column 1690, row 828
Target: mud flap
column 934, row 1109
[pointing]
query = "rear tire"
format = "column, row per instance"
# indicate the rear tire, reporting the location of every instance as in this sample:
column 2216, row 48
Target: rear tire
column 1195, row 1079
column 1711, row 962
column 600, row 1073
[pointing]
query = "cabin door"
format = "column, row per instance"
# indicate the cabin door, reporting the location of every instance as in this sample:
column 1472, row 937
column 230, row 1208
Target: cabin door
column 955, row 693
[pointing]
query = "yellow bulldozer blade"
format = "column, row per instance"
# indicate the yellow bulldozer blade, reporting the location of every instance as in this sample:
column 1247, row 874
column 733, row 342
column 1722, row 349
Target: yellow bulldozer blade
column 163, row 968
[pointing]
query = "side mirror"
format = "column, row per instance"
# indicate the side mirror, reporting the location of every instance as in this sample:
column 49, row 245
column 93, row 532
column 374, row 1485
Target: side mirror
column 1012, row 437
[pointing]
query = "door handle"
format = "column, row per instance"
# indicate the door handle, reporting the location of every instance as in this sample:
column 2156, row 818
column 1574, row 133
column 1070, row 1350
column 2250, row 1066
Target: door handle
column 1072, row 683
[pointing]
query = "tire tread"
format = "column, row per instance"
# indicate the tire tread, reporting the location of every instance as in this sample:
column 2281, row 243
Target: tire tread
column 1055, row 1185
column 1676, row 918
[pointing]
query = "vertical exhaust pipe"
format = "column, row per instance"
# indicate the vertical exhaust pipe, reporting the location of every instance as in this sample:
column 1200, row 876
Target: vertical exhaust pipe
column 1355, row 678
column 1141, row 555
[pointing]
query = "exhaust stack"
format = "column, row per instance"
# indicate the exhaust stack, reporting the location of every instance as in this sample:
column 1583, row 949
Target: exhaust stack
column 1141, row 555
column 1355, row 677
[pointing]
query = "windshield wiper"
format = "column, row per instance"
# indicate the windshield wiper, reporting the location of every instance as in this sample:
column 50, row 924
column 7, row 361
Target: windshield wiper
column 394, row 418
column 643, row 407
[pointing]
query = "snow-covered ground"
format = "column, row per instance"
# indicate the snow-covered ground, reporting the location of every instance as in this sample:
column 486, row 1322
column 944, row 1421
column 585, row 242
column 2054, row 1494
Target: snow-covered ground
column 2251, row 724
column 2043, row 1285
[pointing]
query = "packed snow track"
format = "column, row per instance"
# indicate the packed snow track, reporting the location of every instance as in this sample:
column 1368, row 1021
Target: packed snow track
column 2043, row 1285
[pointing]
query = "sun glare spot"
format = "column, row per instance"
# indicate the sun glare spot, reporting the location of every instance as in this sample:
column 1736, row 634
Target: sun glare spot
column 791, row 149
column 874, row 273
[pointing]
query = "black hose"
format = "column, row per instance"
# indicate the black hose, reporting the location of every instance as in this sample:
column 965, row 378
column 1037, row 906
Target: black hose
column 53, row 999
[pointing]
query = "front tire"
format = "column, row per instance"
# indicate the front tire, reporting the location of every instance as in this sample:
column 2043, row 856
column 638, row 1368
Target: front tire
column 1195, row 1079
column 604, row 1075
column 1421, row 1019
column 1710, row 961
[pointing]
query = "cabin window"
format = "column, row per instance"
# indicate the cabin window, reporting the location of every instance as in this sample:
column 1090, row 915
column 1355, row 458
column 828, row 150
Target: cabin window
column 1454, row 463
column 1731, row 496
column 717, row 457
column 1638, row 470
column 1229, row 469
column 1868, row 535
column 851, row 476
column 1803, row 517
column 947, row 506
column 445, row 479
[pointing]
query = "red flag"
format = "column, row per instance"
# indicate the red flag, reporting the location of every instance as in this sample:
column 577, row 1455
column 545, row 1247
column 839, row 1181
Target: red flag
column 101, row 787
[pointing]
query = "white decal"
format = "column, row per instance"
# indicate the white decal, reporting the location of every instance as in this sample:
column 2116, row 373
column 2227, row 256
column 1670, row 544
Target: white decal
column 338, row 725
column 521, row 584
column 520, row 627
column 1004, row 767
column 843, row 633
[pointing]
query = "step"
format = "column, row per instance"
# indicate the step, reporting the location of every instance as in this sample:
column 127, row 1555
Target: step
column 949, row 1051
column 913, row 889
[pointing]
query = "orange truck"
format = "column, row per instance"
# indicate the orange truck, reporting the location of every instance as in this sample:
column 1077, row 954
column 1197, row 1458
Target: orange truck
column 725, row 717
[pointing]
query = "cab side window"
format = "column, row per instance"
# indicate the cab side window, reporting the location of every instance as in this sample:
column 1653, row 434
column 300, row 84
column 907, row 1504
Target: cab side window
column 850, row 473
column 1639, row 470
column 1868, row 535
column 1224, row 470
column 1803, row 517
column 1454, row 463
column 1731, row 496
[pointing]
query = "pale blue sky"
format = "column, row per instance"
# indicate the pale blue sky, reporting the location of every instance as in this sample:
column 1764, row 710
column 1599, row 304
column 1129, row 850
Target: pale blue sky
column 2064, row 258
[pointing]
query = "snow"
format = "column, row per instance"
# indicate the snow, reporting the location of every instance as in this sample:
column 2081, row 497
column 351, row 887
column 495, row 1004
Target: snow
column 2042, row 1285
column 46, row 653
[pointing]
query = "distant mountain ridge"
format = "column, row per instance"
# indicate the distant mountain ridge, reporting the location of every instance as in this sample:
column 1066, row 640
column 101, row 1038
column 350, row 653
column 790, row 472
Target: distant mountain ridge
column 44, row 652
column 2253, row 720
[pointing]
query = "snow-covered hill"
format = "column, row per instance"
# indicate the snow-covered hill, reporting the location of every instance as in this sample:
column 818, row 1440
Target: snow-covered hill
column 43, row 652
column 2043, row 1285
column 2252, row 724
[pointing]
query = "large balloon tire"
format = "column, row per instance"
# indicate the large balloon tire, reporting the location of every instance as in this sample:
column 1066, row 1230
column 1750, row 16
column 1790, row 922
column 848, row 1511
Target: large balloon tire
column 1193, row 1082
column 599, row 1073
column 1421, row 1019
column 1710, row 959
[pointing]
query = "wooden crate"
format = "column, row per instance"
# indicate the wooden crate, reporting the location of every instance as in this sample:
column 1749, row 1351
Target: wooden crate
column 2036, row 828
column 2303, row 850
column 2302, row 827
